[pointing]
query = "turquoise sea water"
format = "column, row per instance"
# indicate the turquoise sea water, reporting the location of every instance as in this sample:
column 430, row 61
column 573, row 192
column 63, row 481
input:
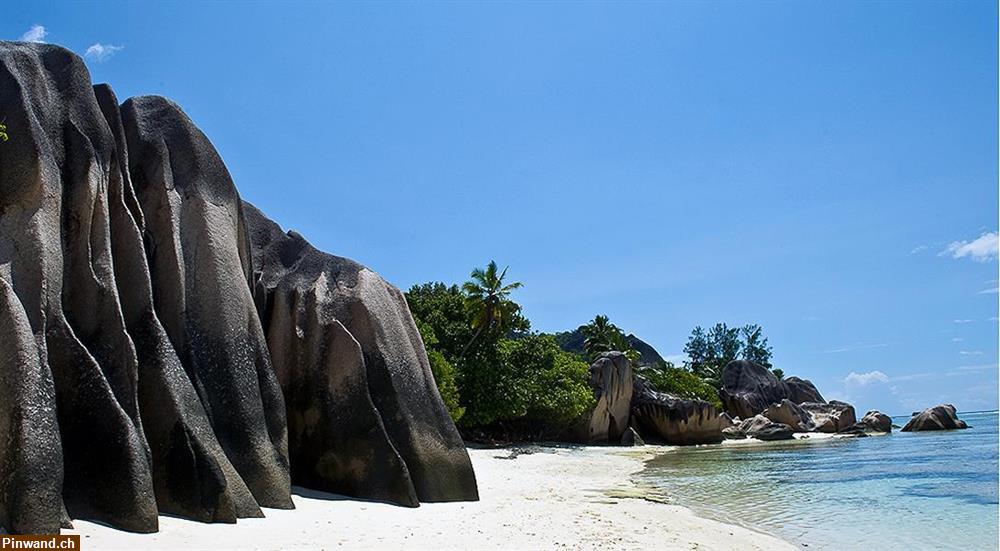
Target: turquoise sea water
column 906, row 491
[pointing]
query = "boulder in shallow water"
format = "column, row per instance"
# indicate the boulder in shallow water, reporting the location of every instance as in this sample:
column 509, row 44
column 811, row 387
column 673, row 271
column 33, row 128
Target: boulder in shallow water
column 791, row 414
column 940, row 417
column 832, row 416
column 733, row 433
column 877, row 421
column 762, row 428
column 674, row 420
column 774, row 431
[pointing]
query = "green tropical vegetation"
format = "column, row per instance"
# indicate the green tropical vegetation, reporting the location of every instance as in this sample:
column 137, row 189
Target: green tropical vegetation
column 500, row 379
column 3, row 132
column 682, row 382
column 600, row 335
column 709, row 351
column 496, row 375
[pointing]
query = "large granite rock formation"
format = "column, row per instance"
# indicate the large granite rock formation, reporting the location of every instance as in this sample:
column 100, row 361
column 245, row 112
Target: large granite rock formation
column 749, row 388
column 877, row 421
column 940, row 417
column 135, row 375
column 833, row 416
column 611, row 378
column 200, row 268
column 801, row 390
column 336, row 329
column 674, row 420
column 790, row 414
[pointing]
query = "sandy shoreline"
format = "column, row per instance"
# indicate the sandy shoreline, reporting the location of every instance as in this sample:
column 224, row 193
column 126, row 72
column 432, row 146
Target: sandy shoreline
column 570, row 498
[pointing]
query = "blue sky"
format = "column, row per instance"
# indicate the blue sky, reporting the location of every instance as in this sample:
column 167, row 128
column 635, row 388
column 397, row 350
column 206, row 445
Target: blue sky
column 826, row 170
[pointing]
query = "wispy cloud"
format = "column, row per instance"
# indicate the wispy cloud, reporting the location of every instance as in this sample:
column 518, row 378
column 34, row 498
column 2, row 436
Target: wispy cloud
column 970, row 352
column 35, row 34
column 981, row 249
column 918, row 249
column 854, row 347
column 978, row 367
column 961, row 321
column 957, row 339
column 990, row 291
column 864, row 379
column 101, row 52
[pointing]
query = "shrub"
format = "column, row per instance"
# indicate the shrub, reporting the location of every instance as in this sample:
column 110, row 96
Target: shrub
column 681, row 382
column 525, row 380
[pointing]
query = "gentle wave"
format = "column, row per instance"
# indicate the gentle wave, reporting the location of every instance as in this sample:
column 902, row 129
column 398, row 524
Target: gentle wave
column 906, row 491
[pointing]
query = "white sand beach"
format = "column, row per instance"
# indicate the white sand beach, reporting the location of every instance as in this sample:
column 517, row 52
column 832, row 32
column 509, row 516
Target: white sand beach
column 554, row 498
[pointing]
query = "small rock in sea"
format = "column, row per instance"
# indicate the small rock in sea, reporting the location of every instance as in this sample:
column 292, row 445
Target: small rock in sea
column 877, row 421
column 940, row 417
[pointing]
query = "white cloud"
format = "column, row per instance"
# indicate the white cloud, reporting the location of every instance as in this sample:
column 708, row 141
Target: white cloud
column 918, row 249
column 971, row 352
column 957, row 339
column 981, row 249
column 980, row 367
column 864, row 379
column 100, row 52
column 991, row 291
column 35, row 34
column 855, row 347
column 961, row 321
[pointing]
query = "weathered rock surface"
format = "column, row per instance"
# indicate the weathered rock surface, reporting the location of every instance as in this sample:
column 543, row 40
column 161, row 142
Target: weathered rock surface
column 774, row 431
column 762, row 428
column 725, row 421
column 673, row 420
column 791, row 414
column 55, row 254
column 612, row 380
column 940, row 417
column 192, row 476
column 801, row 390
column 877, row 421
column 200, row 269
column 749, row 388
column 733, row 433
column 31, row 457
column 336, row 329
column 832, row 416
column 135, row 376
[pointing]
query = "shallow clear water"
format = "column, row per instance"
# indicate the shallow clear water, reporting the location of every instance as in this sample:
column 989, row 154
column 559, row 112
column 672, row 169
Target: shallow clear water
column 906, row 491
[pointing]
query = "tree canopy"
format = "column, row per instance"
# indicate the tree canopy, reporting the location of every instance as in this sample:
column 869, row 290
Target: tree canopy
column 709, row 351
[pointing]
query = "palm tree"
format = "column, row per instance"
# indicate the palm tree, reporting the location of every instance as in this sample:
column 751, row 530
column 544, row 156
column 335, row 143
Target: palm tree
column 597, row 336
column 600, row 335
column 487, row 301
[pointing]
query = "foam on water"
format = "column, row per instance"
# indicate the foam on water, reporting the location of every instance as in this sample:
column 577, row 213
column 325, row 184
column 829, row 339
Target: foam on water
column 906, row 491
